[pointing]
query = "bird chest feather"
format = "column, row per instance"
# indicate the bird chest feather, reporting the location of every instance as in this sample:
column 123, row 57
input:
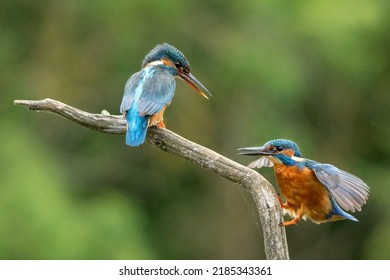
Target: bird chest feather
column 305, row 195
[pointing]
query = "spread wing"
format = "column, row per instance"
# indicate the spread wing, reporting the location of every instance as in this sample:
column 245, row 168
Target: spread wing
column 349, row 191
column 152, row 89
column 261, row 162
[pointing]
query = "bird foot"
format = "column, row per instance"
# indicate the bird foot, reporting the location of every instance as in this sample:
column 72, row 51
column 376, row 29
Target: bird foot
column 292, row 222
column 161, row 124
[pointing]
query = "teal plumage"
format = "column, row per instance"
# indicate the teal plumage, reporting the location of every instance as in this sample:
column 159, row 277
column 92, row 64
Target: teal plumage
column 150, row 91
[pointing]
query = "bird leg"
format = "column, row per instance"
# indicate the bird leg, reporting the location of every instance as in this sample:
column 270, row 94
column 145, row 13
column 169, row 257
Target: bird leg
column 158, row 119
column 283, row 205
column 161, row 124
column 292, row 222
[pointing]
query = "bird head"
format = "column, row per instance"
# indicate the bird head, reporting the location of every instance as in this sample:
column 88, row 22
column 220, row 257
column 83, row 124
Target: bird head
column 277, row 150
column 177, row 63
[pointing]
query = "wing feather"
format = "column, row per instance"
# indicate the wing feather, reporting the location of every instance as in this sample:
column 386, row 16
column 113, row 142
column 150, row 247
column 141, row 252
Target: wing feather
column 152, row 88
column 129, row 95
column 349, row 191
column 157, row 92
column 261, row 162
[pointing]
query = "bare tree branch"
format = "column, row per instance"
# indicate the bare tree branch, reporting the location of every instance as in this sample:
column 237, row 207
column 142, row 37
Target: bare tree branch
column 275, row 242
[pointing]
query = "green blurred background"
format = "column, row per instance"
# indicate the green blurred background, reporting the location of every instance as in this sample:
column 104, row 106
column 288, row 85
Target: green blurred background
column 316, row 72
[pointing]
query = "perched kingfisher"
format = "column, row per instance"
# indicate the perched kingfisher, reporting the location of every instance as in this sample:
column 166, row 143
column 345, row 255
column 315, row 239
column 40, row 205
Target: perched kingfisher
column 149, row 91
column 312, row 190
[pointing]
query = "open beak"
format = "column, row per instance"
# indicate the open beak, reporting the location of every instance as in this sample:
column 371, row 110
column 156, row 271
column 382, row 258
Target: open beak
column 256, row 151
column 195, row 84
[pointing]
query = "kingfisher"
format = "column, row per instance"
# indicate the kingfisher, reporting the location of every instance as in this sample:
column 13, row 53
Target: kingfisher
column 318, row 191
column 150, row 91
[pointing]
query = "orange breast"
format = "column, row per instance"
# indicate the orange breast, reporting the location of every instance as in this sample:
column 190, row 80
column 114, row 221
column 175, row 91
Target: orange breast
column 158, row 119
column 305, row 195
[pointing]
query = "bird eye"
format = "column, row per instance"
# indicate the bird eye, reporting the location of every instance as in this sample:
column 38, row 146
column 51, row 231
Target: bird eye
column 181, row 68
column 279, row 148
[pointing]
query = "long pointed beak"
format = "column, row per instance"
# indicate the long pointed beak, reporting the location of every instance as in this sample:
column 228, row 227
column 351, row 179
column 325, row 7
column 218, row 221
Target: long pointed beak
column 195, row 84
column 255, row 151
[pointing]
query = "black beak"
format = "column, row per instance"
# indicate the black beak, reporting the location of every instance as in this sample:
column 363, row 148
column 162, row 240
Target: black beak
column 256, row 151
column 195, row 84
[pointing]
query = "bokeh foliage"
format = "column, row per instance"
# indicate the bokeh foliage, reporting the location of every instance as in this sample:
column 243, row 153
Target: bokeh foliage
column 317, row 72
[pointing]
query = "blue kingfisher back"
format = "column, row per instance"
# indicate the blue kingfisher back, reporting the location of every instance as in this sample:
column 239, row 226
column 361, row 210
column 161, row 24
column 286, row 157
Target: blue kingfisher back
column 320, row 192
column 150, row 91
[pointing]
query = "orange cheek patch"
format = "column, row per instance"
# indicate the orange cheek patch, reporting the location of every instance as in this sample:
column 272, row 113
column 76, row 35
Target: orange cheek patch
column 168, row 62
column 289, row 153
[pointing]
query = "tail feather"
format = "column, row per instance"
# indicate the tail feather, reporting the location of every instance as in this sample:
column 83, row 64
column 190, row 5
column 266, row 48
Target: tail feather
column 337, row 213
column 136, row 127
